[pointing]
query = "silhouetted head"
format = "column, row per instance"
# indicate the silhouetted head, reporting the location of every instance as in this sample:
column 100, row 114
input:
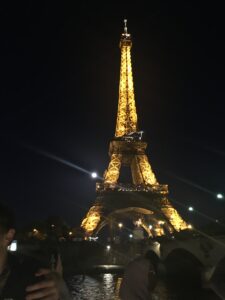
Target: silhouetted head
column 139, row 280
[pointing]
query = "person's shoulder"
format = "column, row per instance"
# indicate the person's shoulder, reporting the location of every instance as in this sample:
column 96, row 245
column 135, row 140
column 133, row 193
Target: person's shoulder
column 140, row 265
column 140, row 261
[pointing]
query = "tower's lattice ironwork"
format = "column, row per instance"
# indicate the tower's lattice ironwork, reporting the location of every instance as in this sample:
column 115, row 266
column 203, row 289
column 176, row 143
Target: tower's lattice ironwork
column 144, row 200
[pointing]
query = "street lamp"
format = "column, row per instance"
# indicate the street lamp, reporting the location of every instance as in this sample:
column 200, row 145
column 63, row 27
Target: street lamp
column 94, row 174
column 120, row 225
column 190, row 208
column 13, row 246
column 219, row 196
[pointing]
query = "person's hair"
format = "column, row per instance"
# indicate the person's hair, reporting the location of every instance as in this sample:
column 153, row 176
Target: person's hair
column 7, row 219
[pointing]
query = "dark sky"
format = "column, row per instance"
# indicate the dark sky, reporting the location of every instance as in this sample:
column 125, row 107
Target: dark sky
column 59, row 92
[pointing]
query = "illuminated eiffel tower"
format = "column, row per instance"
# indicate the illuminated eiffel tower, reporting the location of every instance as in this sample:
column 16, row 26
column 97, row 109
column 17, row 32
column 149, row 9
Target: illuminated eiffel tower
column 144, row 201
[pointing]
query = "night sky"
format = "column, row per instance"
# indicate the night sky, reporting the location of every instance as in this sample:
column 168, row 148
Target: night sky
column 59, row 91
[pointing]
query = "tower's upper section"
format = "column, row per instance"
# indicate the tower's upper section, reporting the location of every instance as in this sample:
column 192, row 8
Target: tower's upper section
column 126, row 115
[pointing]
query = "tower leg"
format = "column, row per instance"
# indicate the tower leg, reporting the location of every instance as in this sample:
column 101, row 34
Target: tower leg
column 146, row 170
column 112, row 173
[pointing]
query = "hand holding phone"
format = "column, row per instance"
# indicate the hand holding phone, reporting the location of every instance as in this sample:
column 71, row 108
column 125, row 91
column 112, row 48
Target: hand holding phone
column 46, row 285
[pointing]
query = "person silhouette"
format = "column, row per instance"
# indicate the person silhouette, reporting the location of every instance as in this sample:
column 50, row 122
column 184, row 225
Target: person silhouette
column 24, row 277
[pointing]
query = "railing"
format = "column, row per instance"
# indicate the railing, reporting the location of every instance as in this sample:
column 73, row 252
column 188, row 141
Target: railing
column 121, row 187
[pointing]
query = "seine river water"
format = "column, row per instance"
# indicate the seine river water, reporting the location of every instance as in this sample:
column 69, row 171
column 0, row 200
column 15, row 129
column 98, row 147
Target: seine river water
column 95, row 287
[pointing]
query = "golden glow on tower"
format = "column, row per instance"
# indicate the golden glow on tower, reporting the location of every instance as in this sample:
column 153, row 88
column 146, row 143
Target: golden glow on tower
column 146, row 170
column 92, row 219
column 126, row 115
column 127, row 122
column 140, row 168
column 112, row 174
column 172, row 215
column 128, row 149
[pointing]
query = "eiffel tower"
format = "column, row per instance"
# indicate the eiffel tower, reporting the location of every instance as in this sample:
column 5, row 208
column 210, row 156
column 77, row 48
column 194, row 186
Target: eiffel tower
column 144, row 201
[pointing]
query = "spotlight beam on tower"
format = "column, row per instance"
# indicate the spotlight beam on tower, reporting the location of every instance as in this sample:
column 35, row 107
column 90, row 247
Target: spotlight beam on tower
column 190, row 183
column 61, row 160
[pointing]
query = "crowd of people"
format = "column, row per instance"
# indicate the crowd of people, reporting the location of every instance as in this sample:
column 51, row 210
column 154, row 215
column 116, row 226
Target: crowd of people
column 145, row 278
column 24, row 277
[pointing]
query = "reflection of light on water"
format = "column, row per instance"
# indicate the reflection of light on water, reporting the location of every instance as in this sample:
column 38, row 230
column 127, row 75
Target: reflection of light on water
column 118, row 283
column 108, row 280
column 108, row 285
column 96, row 287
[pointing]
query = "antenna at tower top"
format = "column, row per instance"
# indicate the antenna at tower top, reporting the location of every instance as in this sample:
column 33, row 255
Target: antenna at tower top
column 125, row 37
column 125, row 26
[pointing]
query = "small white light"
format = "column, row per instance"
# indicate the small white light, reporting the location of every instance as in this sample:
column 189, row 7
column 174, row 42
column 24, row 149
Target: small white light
column 161, row 222
column 94, row 174
column 219, row 196
column 150, row 226
column 190, row 226
column 94, row 238
column 130, row 236
column 13, row 246
column 217, row 221
column 138, row 222
column 108, row 247
column 120, row 225
column 190, row 208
